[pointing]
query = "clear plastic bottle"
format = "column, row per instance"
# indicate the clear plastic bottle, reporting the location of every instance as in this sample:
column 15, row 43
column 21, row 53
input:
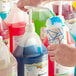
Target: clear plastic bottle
column 40, row 16
column 67, row 8
column 31, row 54
column 17, row 20
column 8, row 64
column 58, row 33
column 5, row 6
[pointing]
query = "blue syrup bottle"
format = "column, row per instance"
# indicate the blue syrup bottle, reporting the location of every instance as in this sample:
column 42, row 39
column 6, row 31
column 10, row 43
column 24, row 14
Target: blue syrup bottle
column 31, row 55
column 5, row 6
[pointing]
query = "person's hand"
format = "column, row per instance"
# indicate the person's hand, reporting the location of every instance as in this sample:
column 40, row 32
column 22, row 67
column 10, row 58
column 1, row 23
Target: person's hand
column 63, row 54
column 23, row 3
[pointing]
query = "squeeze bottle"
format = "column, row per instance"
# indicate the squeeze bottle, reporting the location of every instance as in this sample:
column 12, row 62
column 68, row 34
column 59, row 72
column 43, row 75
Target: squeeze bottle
column 5, row 6
column 57, row 34
column 16, row 21
column 40, row 16
column 31, row 54
column 8, row 64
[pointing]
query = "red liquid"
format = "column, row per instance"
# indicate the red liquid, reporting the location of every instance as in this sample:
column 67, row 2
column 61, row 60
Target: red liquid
column 70, row 41
column 51, row 64
column 66, row 10
column 16, row 29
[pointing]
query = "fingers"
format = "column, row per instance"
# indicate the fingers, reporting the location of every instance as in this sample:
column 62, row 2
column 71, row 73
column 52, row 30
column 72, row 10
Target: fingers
column 35, row 2
column 21, row 5
column 24, row 9
column 44, row 1
column 52, row 58
column 52, row 47
column 51, row 53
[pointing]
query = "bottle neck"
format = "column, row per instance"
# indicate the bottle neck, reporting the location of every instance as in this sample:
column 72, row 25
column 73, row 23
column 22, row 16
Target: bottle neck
column 30, row 28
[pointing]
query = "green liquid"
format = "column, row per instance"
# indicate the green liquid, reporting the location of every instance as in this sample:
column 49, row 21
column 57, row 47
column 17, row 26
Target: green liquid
column 40, row 18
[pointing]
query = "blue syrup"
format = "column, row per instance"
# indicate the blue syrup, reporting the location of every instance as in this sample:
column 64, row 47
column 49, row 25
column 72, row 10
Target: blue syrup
column 29, row 55
column 3, row 15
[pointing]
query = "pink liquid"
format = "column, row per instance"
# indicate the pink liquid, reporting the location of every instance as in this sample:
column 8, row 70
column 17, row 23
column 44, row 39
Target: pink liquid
column 66, row 10
column 11, row 69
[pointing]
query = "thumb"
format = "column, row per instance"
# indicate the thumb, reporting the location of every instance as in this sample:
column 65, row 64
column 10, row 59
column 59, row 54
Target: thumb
column 21, row 5
column 52, row 47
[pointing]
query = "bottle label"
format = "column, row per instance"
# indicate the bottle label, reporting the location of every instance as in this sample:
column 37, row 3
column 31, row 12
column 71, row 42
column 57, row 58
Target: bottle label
column 6, row 41
column 13, row 71
column 59, row 36
column 63, row 71
column 14, row 74
column 56, row 35
column 5, row 6
column 38, row 69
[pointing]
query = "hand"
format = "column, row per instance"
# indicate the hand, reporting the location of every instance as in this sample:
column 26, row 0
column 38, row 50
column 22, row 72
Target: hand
column 63, row 54
column 23, row 3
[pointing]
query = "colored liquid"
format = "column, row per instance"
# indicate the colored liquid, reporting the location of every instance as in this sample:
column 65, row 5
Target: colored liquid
column 31, row 51
column 3, row 15
column 18, row 28
column 17, row 31
column 40, row 19
column 51, row 64
column 29, row 55
column 66, row 10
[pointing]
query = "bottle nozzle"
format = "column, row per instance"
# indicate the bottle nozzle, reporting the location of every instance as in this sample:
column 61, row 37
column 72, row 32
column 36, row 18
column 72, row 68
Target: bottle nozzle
column 30, row 27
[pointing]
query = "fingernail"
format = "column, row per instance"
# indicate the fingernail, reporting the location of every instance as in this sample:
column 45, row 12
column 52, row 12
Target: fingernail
column 19, row 4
